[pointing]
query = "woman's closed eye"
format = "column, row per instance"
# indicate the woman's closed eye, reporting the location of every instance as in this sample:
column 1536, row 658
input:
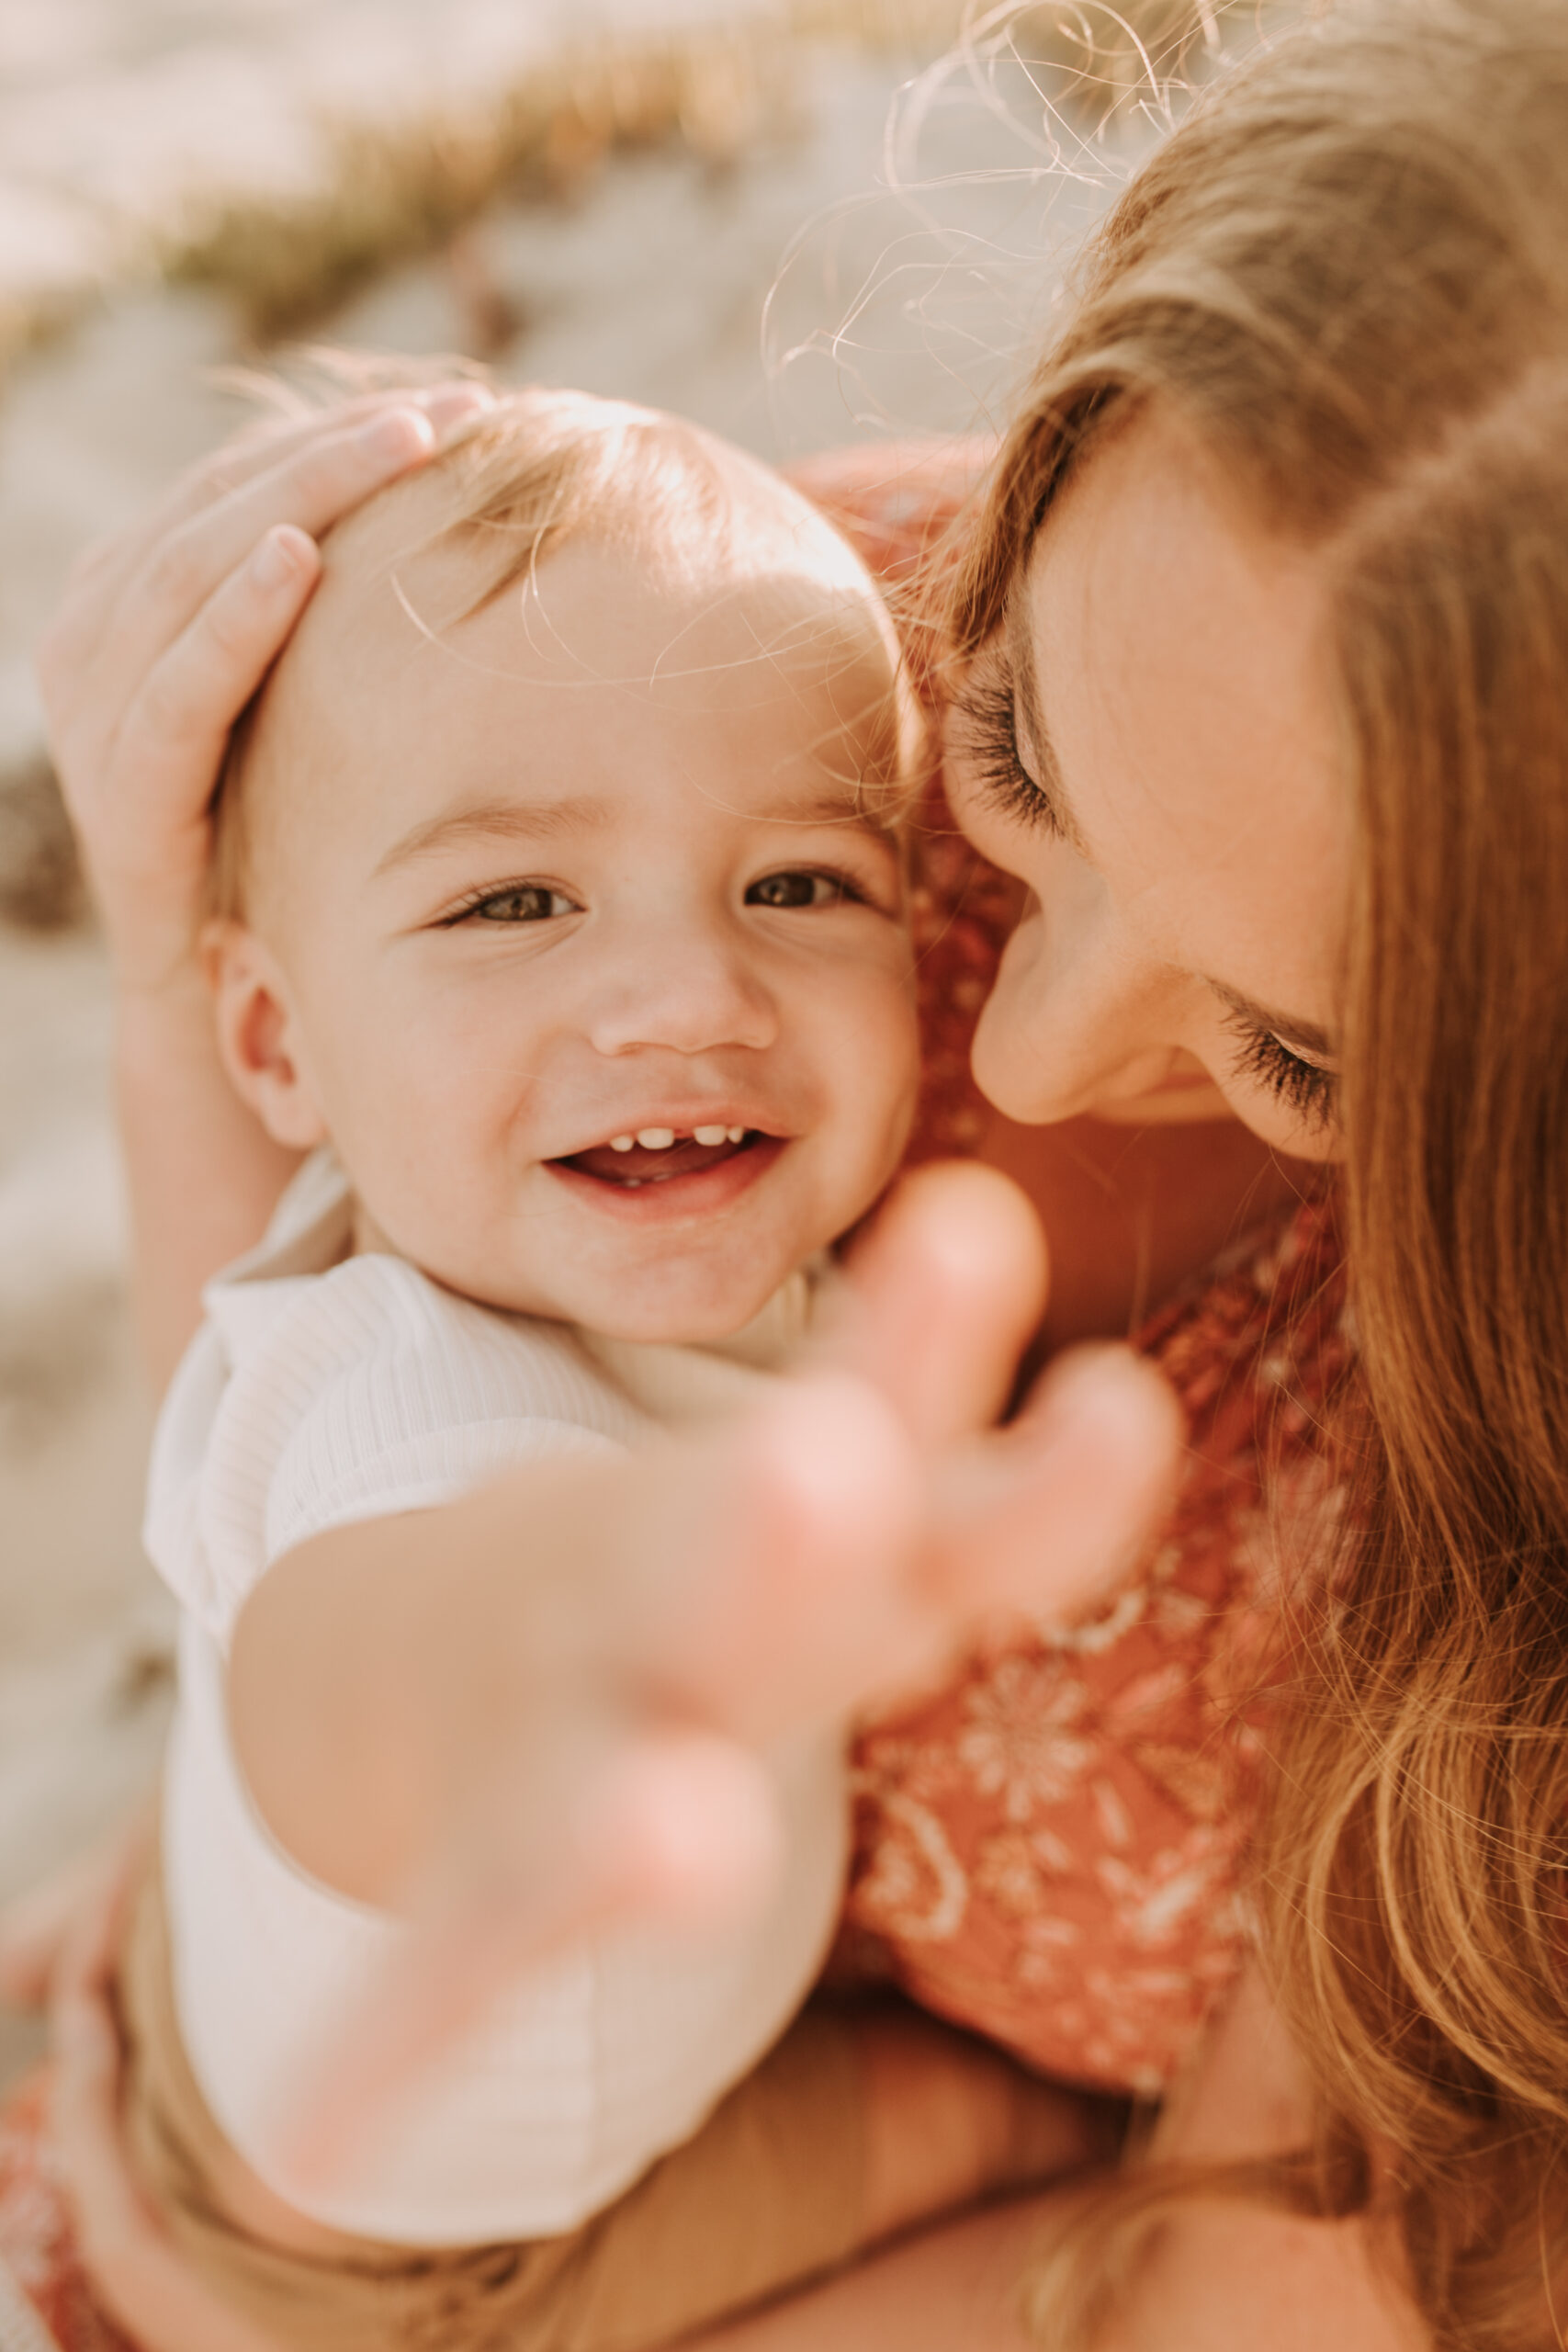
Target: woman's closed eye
column 984, row 736
column 1304, row 1086
column 515, row 902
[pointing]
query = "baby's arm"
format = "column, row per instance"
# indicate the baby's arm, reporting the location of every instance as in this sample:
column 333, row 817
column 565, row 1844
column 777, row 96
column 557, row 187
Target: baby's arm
column 166, row 631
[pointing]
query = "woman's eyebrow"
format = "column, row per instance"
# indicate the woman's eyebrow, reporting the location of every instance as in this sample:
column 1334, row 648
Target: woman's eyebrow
column 1046, row 776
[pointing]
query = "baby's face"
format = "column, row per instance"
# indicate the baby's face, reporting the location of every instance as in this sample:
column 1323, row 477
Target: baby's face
column 572, row 931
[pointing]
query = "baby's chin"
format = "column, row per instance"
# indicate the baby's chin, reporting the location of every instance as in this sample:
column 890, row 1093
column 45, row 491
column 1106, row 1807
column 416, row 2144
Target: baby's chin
column 663, row 1317
column 649, row 1299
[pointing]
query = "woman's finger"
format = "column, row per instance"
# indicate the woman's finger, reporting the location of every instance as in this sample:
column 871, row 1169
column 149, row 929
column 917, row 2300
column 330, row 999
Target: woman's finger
column 149, row 840
column 311, row 490
column 102, row 571
column 177, row 719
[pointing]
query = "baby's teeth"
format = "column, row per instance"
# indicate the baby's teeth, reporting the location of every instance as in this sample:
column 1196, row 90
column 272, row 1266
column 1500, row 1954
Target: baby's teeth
column 712, row 1136
column 622, row 1143
column 735, row 1134
column 656, row 1139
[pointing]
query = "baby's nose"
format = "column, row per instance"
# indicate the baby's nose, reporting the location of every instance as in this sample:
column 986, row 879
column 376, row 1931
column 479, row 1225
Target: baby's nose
column 689, row 995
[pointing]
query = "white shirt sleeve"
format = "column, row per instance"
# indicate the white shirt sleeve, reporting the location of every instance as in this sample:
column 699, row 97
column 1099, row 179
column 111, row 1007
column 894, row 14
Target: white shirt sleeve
column 366, row 1391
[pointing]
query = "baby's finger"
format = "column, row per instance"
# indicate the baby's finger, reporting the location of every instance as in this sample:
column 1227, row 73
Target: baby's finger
column 948, row 1287
column 1043, row 1517
column 678, row 1828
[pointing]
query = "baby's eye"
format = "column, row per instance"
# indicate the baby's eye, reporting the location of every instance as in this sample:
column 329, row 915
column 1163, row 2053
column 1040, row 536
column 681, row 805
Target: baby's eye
column 522, row 902
column 799, row 889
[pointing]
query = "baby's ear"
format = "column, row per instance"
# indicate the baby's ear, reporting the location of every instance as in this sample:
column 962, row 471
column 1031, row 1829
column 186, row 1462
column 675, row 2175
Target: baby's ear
column 257, row 1035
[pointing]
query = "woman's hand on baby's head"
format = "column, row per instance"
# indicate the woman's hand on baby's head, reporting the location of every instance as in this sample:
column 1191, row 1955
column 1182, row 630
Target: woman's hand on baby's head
column 167, row 629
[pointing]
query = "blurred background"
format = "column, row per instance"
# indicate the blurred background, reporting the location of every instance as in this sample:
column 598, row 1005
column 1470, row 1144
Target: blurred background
column 801, row 221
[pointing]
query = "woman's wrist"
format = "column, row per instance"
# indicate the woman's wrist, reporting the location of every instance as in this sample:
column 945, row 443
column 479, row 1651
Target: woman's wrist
column 202, row 1175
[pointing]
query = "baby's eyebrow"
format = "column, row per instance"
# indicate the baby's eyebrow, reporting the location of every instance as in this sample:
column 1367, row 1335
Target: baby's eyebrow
column 482, row 820
column 579, row 813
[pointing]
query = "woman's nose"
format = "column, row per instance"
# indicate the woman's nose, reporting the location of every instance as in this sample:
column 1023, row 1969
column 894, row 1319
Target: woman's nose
column 687, row 991
column 1077, row 1019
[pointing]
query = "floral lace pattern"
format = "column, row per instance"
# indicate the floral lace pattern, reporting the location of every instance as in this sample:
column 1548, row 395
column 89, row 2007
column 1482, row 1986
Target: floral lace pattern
column 38, row 2254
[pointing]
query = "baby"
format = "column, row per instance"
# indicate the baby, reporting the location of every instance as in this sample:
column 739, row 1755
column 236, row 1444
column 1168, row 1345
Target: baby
column 559, row 918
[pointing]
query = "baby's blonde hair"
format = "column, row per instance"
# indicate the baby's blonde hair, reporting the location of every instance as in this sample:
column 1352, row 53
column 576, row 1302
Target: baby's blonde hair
column 542, row 468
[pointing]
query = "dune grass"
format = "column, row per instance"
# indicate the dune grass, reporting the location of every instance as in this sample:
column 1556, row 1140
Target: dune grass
column 394, row 194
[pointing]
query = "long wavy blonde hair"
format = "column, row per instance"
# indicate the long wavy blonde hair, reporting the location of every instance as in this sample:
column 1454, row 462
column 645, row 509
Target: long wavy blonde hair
column 1349, row 267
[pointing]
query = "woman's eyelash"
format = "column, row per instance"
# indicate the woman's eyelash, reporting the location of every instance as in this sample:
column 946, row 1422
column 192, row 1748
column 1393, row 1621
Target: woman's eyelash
column 990, row 735
column 1304, row 1087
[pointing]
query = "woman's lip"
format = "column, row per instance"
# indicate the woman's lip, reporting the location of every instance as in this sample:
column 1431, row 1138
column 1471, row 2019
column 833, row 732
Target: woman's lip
column 668, row 1199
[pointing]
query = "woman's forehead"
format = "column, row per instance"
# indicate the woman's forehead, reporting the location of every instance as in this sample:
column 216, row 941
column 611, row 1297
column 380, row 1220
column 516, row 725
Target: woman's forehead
column 1178, row 653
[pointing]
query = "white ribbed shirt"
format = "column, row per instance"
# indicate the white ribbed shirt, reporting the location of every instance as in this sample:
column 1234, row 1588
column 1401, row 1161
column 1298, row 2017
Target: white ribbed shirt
column 324, row 1388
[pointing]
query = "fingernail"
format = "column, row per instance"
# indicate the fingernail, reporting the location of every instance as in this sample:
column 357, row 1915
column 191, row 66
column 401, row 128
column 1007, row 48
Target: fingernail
column 453, row 404
column 280, row 558
column 405, row 434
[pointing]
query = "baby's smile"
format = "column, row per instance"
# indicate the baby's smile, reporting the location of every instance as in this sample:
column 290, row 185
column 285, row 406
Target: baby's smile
column 654, row 1154
column 668, row 1173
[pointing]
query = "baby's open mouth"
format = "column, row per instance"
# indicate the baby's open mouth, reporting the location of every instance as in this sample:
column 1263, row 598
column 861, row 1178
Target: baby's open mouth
column 653, row 1155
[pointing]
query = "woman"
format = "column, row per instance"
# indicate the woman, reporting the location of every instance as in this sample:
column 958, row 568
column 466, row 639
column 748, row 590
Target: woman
column 1262, row 635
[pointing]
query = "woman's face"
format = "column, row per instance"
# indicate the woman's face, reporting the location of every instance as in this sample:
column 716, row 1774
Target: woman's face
column 1150, row 744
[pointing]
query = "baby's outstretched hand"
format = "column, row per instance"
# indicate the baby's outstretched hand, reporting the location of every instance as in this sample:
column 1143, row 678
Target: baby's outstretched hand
column 714, row 1596
column 168, row 628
